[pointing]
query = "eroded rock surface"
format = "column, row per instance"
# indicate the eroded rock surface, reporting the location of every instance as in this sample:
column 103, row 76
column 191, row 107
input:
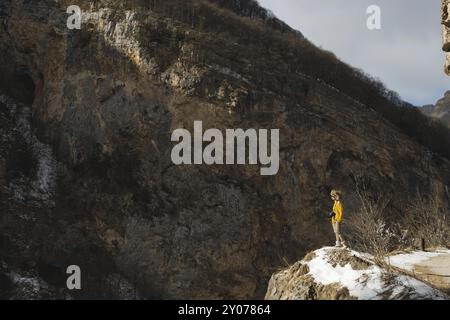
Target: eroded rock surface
column 446, row 33
column 106, row 99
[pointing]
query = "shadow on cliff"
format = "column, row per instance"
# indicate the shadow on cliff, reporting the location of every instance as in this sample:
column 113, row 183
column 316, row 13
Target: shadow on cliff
column 90, row 179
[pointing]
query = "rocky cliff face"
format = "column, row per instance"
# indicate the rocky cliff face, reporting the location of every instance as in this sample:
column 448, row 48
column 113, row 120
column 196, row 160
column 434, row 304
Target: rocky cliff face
column 446, row 33
column 105, row 100
column 440, row 111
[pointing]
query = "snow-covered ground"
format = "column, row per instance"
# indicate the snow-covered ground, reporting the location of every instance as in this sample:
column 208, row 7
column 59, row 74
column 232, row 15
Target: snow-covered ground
column 336, row 273
column 372, row 283
column 432, row 267
column 407, row 261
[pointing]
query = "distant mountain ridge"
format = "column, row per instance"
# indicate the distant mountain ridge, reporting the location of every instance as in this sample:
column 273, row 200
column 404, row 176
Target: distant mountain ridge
column 252, row 9
column 441, row 110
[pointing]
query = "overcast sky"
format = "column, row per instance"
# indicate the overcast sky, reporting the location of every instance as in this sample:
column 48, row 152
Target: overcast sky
column 405, row 54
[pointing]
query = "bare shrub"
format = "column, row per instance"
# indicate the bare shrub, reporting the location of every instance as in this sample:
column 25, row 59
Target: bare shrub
column 368, row 229
column 428, row 218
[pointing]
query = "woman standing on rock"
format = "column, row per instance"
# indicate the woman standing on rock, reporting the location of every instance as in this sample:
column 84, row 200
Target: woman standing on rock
column 337, row 216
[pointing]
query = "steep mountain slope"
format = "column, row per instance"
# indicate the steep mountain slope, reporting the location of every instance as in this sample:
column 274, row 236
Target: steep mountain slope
column 251, row 9
column 440, row 111
column 107, row 97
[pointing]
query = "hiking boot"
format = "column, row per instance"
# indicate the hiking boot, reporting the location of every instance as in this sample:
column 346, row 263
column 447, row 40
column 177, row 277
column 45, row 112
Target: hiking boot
column 338, row 244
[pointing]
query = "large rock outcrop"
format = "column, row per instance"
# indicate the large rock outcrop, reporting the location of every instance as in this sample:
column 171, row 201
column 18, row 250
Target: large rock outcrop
column 106, row 99
column 446, row 33
column 340, row 274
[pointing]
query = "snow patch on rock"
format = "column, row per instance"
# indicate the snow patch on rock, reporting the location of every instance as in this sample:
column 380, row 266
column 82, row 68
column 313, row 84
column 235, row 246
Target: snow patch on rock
column 407, row 261
column 39, row 188
column 330, row 273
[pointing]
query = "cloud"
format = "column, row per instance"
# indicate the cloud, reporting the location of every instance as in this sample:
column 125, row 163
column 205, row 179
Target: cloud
column 405, row 54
